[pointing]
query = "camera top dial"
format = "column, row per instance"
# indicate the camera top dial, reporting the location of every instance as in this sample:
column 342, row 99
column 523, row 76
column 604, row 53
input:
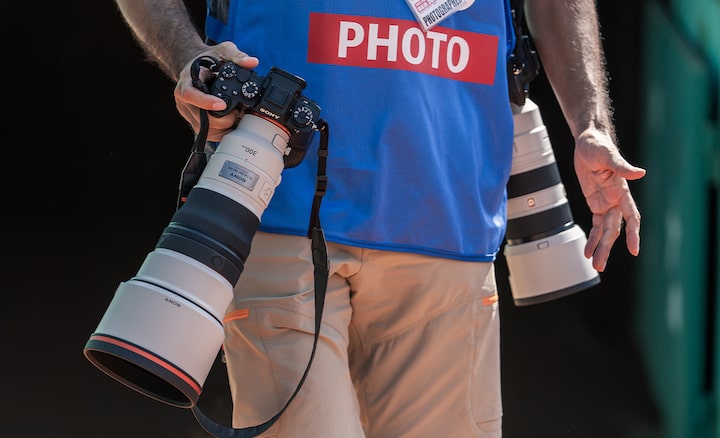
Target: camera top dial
column 303, row 115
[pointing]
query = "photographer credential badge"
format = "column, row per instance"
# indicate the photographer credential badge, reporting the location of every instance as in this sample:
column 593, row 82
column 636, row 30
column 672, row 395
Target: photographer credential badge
column 428, row 13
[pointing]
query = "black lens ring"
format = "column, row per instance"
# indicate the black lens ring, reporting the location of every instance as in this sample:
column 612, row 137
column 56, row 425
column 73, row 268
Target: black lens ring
column 533, row 180
column 201, row 248
column 522, row 229
column 230, row 222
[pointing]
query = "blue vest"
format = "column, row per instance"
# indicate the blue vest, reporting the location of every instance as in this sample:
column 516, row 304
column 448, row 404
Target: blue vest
column 420, row 123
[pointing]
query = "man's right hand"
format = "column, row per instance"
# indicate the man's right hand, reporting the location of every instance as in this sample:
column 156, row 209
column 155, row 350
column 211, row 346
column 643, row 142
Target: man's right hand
column 188, row 98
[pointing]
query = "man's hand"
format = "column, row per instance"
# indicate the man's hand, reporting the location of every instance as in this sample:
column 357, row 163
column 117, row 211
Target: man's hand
column 189, row 99
column 603, row 175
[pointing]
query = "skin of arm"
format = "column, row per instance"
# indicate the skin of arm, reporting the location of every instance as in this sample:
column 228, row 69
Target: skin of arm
column 566, row 34
column 168, row 36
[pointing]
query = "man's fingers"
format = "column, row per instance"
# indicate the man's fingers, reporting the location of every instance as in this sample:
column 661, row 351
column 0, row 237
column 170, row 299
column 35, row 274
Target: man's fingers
column 632, row 224
column 605, row 231
column 592, row 241
column 186, row 93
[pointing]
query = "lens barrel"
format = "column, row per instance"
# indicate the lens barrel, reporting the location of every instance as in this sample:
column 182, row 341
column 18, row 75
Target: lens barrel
column 163, row 329
column 544, row 247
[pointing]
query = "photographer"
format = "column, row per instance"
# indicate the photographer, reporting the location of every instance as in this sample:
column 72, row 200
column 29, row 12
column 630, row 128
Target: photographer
column 416, row 94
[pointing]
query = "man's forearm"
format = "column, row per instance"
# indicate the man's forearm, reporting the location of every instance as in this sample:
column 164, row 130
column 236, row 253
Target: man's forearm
column 165, row 31
column 567, row 38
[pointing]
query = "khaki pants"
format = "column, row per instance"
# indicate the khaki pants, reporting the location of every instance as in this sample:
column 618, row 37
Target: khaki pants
column 409, row 344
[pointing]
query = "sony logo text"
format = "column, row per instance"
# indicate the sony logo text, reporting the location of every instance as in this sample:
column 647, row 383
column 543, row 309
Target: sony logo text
column 400, row 44
column 269, row 113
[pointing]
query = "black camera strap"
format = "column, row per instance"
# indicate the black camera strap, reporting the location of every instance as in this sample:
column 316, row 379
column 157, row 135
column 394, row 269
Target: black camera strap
column 523, row 64
column 320, row 265
column 198, row 158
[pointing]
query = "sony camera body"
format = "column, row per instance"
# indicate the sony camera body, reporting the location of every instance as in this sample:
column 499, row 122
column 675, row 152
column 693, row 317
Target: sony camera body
column 275, row 97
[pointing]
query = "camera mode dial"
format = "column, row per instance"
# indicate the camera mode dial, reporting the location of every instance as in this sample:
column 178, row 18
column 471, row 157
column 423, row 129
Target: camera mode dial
column 250, row 89
column 303, row 116
column 238, row 87
column 228, row 71
column 232, row 71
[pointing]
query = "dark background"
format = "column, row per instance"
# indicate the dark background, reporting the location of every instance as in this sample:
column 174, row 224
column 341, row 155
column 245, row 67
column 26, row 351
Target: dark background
column 92, row 152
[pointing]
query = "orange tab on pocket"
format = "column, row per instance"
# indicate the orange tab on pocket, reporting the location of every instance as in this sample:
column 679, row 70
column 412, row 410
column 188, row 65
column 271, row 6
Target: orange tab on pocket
column 490, row 300
column 236, row 314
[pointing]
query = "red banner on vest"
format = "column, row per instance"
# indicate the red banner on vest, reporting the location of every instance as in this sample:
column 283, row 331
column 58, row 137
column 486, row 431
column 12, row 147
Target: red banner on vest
column 401, row 45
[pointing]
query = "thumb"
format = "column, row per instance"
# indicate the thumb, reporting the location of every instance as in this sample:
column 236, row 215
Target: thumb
column 626, row 170
column 228, row 51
